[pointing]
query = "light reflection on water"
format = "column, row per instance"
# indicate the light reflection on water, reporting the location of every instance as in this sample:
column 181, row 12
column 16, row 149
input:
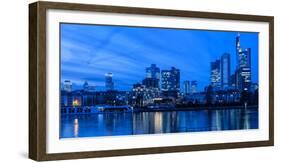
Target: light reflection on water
column 110, row 124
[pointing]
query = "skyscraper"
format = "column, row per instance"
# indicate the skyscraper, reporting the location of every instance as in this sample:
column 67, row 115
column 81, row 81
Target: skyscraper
column 215, row 74
column 153, row 72
column 243, row 70
column 85, row 86
column 186, row 87
column 109, row 85
column 152, row 77
column 150, row 83
column 189, row 87
column 193, row 86
column 233, row 81
column 170, row 82
column 88, row 88
column 67, row 86
column 225, row 71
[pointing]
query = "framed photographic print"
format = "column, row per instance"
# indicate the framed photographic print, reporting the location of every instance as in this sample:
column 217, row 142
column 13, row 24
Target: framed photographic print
column 112, row 81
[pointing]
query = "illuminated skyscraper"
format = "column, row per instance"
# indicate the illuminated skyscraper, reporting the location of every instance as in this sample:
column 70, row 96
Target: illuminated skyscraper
column 189, row 87
column 170, row 82
column 153, row 72
column 216, row 74
column 225, row 71
column 193, row 86
column 243, row 69
column 233, row 81
column 186, row 87
column 152, row 77
column 109, row 85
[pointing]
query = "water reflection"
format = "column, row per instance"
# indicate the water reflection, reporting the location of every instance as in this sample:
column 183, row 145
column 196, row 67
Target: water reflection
column 76, row 127
column 110, row 124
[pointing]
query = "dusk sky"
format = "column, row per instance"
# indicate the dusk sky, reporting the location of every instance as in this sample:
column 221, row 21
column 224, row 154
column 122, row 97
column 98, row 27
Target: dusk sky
column 90, row 51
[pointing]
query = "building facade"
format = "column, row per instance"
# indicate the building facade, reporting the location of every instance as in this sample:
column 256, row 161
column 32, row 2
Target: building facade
column 193, row 86
column 109, row 85
column 225, row 71
column 243, row 68
column 152, row 77
column 216, row 74
column 189, row 87
column 186, row 87
column 143, row 96
column 153, row 72
column 170, row 82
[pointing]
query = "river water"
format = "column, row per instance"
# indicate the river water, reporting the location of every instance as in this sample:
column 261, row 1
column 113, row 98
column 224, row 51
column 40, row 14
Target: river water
column 121, row 123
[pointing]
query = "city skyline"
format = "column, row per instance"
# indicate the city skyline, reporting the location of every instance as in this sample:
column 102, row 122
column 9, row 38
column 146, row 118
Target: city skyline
column 101, row 55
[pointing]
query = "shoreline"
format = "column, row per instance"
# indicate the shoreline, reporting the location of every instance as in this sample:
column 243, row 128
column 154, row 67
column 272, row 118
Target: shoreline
column 140, row 110
column 196, row 108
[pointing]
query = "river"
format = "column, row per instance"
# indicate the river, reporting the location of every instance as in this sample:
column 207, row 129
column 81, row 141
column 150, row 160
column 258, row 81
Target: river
column 124, row 123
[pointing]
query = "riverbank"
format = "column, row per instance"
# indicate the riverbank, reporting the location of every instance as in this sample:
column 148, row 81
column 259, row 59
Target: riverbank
column 101, row 110
column 193, row 108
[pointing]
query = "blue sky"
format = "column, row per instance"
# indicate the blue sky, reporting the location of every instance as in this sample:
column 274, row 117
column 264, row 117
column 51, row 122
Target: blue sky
column 90, row 51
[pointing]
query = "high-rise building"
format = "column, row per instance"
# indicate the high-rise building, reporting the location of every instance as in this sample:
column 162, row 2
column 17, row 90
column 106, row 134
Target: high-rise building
column 244, row 78
column 186, row 87
column 244, row 58
column 170, row 79
column 109, row 85
column 152, row 77
column 88, row 88
column 225, row 71
column 193, row 86
column 216, row 74
column 151, row 83
column 243, row 68
column 85, row 86
column 67, row 86
column 153, row 72
column 238, row 46
column 143, row 96
column 233, row 81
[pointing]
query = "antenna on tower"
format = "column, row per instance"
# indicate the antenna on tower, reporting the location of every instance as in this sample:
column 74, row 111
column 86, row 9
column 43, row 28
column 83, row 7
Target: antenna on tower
column 238, row 41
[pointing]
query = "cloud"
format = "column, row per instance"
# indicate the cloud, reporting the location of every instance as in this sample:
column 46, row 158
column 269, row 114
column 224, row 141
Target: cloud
column 90, row 51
